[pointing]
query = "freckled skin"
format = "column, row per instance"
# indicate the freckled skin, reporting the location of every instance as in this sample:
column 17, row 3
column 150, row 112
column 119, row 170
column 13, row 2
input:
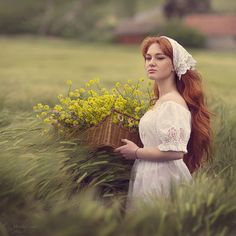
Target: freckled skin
column 157, row 65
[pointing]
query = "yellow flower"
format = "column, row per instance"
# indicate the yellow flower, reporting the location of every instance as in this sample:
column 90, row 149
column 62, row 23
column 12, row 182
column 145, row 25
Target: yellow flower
column 71, row 94
column 75, row 122
column 46, row 107
column 58, row 108
column 82, row 90
column 60, row 96
column 84, row 107
column 67, row 121
column 43, row 113
column 120, row 117
column 39, row 106
column 104, row 91
column 117, row 84
column 47, row 120
column 69, row 82
column 130, row 122
column 88, row 84
column 92, row 82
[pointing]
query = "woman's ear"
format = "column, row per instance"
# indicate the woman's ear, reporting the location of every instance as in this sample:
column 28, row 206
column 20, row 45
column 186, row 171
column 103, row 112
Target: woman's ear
column 172, row 69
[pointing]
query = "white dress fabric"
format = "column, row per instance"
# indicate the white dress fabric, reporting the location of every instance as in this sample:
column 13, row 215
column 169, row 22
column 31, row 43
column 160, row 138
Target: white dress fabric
column 166, row 126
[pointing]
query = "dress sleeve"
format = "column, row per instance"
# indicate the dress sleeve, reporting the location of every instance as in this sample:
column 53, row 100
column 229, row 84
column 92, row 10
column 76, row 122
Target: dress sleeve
column 173, row 127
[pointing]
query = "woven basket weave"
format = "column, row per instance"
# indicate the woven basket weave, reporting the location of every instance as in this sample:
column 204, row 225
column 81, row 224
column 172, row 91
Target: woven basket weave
column 109, row 134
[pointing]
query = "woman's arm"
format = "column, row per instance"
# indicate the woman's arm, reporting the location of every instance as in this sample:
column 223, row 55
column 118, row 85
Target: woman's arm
column 131, row 151
column 153, row 154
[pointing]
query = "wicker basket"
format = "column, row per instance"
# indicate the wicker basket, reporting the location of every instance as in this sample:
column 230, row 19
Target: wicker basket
column 108, row 134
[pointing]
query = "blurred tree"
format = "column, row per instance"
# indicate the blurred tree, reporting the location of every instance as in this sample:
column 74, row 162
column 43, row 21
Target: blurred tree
column 68, row 18
column 47, row 17
column 51, row 17
column 126, row 8
column 77, row 17
column 179, row 8
column 16, row 16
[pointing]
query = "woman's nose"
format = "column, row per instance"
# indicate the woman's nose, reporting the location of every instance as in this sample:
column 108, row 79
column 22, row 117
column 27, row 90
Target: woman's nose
column 153, row 61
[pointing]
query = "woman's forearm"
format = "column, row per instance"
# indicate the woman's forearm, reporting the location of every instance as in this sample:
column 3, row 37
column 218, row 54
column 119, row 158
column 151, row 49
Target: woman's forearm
column 154, row 154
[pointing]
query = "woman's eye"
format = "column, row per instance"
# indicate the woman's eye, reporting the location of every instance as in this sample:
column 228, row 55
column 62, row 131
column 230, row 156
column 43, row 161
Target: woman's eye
column 147, row 58
column 160, row 58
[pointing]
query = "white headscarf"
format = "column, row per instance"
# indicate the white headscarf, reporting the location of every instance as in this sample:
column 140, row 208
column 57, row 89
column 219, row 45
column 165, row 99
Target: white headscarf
column 182, row 60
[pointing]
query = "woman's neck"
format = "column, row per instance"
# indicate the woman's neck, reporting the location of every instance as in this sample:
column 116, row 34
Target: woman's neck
column 164, row 88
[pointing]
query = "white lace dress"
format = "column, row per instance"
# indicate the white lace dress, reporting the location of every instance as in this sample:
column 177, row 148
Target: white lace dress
column 166, row 126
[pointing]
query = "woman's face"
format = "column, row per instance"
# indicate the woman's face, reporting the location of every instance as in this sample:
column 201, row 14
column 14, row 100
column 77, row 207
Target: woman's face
column 158, row 66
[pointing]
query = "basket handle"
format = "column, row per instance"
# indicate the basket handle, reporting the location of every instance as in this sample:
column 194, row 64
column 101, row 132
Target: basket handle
column 113, row 110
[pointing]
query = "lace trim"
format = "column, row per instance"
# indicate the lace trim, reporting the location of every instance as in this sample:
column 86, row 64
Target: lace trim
column 174, row 140
column 182, row 60
column 186, row 62
column 174, row 136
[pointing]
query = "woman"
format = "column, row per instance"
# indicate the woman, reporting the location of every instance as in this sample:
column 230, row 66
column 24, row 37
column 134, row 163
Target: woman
column 176, row 132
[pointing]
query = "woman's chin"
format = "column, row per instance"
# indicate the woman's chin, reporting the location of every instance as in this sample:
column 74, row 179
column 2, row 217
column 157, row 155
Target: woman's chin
column 151, row 77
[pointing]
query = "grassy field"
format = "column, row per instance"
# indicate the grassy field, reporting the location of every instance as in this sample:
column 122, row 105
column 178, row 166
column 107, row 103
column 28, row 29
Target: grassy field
column 43, row 177
column 36, row 69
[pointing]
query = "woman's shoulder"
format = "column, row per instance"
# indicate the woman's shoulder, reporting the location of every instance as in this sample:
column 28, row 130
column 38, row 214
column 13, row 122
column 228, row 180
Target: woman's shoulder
column 172, row 100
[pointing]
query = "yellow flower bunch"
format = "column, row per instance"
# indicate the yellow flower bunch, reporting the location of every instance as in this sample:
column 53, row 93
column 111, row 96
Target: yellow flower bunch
column 85, row 107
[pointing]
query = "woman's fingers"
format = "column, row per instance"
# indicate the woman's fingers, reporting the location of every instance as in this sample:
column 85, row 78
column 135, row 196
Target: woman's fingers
column 125, row 141
column 119, row 149
column 126, row 150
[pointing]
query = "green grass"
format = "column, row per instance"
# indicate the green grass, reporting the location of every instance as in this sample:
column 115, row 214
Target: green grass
column 224, row 6
column 34, row 69
column 43, row 177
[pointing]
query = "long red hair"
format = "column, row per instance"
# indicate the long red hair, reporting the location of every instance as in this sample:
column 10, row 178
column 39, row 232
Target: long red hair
column 190, row 87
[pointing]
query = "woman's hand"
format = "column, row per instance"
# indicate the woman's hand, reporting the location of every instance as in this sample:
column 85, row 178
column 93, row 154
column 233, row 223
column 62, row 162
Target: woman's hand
column 128, row 150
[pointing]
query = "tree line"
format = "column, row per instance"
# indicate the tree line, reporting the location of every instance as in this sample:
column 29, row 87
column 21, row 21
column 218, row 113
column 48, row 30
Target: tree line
column 80, row 18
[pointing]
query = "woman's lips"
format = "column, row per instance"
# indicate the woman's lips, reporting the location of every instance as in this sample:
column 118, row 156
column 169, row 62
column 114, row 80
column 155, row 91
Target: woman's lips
column 151, row 71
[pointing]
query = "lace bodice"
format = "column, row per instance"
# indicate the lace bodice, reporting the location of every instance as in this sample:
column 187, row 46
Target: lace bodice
column 166, row 126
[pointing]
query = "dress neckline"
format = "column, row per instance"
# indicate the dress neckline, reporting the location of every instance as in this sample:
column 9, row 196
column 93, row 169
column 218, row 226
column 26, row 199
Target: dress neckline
column 158, row 103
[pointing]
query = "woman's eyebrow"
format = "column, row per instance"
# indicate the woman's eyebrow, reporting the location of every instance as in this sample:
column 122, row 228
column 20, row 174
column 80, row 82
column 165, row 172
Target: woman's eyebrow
column 156, row 54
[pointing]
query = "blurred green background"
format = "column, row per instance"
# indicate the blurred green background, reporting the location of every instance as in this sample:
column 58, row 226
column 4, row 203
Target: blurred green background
column 43, row 177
